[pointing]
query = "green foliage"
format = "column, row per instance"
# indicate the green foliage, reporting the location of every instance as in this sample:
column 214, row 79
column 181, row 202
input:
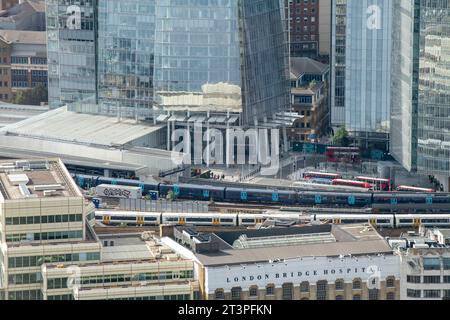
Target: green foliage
column 341, row 137
column 31, row 97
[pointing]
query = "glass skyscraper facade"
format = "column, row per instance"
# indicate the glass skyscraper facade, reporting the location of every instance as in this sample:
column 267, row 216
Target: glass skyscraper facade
column 71, row 34
column 361, row 59
column 434, row 88
column 338, row 60
column 405, row 71
column 420, row 129
column 192, row 55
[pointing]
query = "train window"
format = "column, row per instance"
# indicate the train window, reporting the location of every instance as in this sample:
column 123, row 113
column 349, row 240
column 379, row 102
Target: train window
column 351, row 200
column 383, row 221
column 406, row 220
column 435, row 220
column 198, row 219
column 226, row 220
column 248, row 220
column 150, row 219
column 172, row 219
column 318, row 199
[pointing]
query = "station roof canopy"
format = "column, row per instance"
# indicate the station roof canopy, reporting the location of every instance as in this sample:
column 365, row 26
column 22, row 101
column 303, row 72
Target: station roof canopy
column 64, row 125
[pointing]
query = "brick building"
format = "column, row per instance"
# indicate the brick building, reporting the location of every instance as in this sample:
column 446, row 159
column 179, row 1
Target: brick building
column 309, row 98
column 23, row 64
column 309, row 25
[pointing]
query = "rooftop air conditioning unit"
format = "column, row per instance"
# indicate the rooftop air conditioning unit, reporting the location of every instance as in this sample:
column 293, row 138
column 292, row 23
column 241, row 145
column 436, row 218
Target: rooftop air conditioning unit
column 49, row 193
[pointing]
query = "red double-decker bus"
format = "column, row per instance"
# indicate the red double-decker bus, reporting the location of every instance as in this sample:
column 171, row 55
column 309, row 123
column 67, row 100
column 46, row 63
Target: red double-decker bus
column 351, row 183
column 343, row 154
column 377, row 183
column 320, row 175
column 413, row 189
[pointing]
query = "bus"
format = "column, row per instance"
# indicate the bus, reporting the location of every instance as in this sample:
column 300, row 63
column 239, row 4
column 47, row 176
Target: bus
column 351, row 183
column 343, row 154
column 377, row 183
column 413, row 189
column 320, row 175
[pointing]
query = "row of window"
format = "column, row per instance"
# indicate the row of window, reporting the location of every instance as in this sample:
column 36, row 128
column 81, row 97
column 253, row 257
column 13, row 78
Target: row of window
column 427, row 279
column 288, row 289
column 61, row 283
column 25, row 295
column 44, row 219
column 24, row 278
column 35, row 261
column 288, row 293
column 430, row 294
column 435, row 263
column 58, row 235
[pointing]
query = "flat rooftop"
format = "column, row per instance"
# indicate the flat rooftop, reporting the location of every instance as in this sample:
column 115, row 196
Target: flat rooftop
column 31, row 179
column 63, row 125
column 355, row 240
column 131, row 247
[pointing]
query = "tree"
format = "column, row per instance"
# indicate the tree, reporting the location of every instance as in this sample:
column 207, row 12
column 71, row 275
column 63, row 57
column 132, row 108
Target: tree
column 341, row 137
column 32, row 97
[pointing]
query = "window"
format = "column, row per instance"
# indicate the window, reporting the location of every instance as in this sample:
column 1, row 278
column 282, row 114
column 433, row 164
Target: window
column 356, row 297
column 390, row 296
column 304, row 287
column 431, row 264
column 219, row 295
column 413, row 279
column 270, row 290
column 413, row 293
column 432, row 294
column 373, row 294
column 253, row 292
column 339, row 285
column 356, row 284
column 322, row 287
column 390, row 282
column 287, row 289
column 432, row 279
column 339, row 297
column 446, row 263
column 236, row 293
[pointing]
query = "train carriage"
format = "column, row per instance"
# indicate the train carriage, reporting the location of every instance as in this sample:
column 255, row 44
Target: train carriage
column 385, row 221
column 199, row 219
column 416, row 220
column 128, row 218
column 193, row 192
column 261, row 196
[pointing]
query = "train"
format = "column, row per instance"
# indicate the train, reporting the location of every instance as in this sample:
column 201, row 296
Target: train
column 380, row 202
column 251, row 220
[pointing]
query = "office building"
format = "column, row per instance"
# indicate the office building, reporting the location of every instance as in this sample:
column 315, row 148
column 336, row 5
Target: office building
column 24, row 62
column 309, row 263
column 71, row 48
column 224, row 57
column 421, row 88
column 309, row 98
column 361, row 47
column 425, row 268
